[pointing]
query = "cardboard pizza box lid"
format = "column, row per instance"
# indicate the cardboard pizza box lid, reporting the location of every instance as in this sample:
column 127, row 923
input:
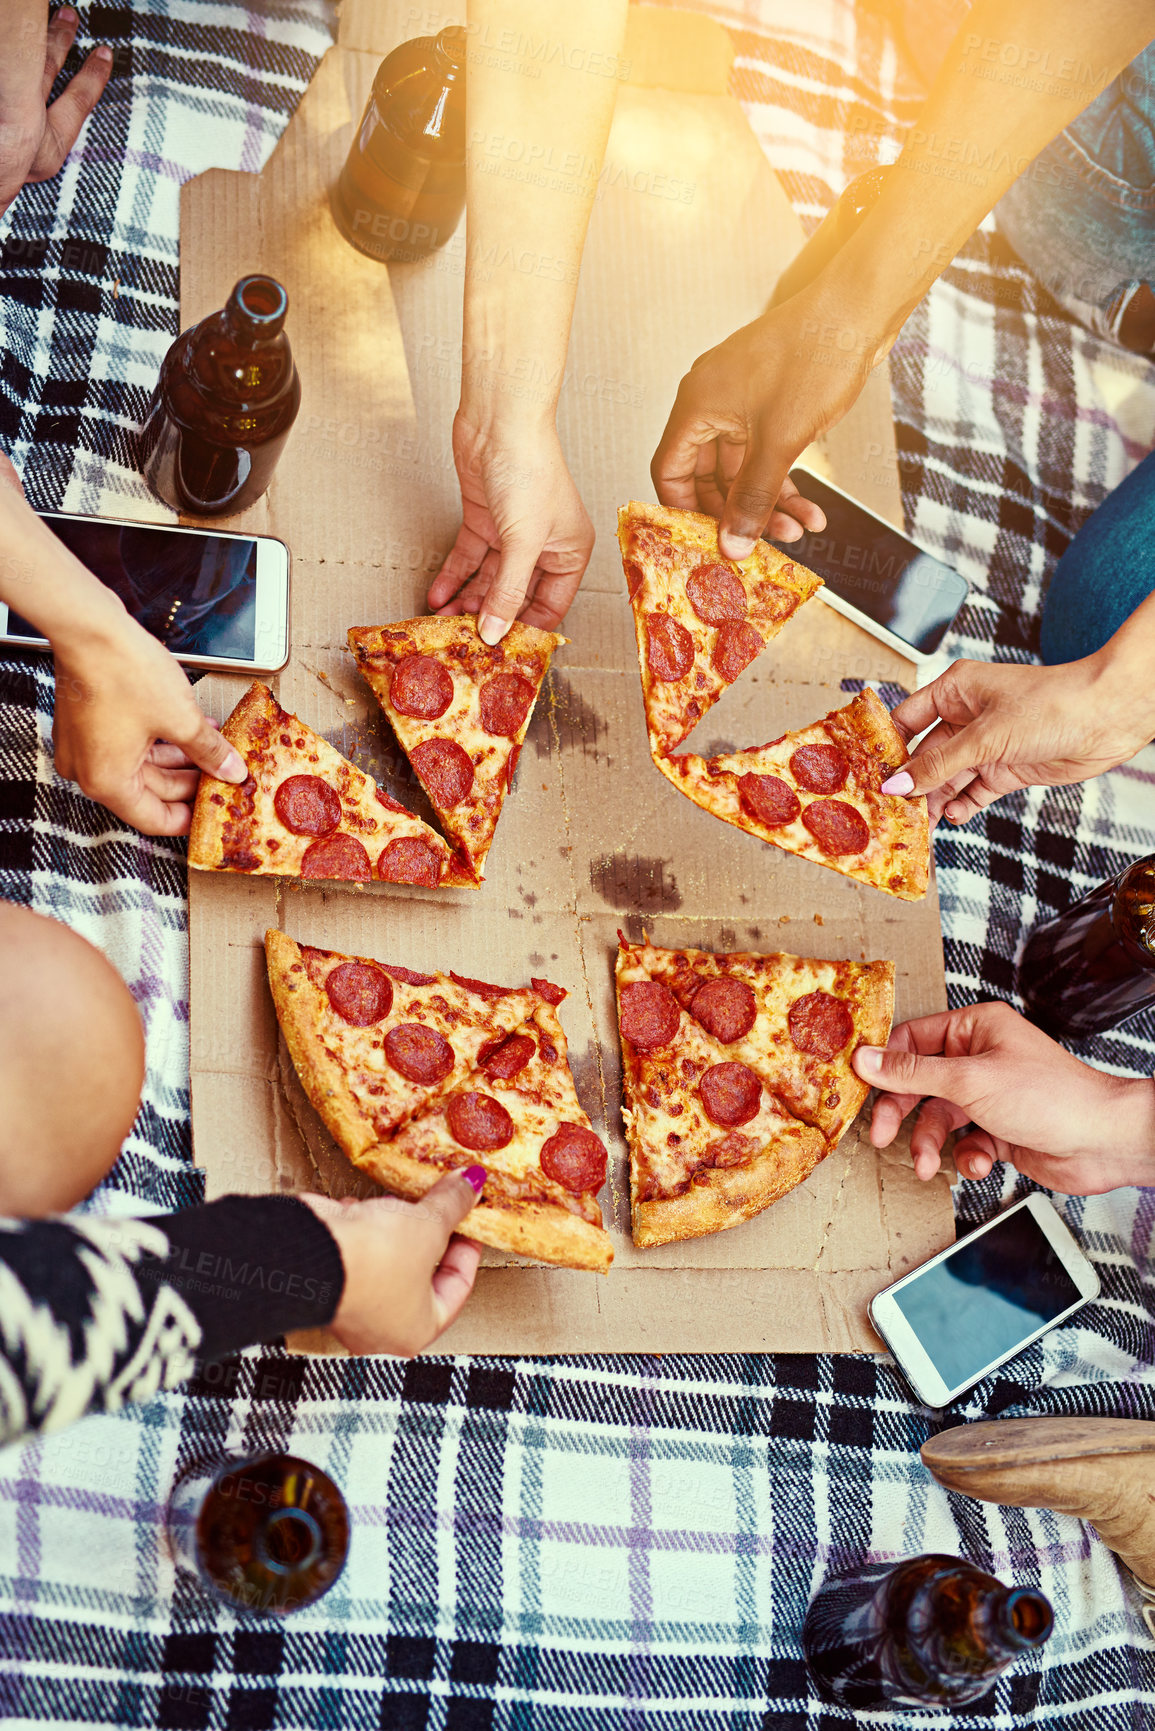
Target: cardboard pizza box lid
column 689, row 231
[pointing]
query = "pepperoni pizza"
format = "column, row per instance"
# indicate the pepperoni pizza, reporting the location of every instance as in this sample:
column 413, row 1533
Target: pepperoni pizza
column 700, row 619
column 818, row 793
column 415, row 1075
column 306, row 811
column 460, row 709
column 738, row 1077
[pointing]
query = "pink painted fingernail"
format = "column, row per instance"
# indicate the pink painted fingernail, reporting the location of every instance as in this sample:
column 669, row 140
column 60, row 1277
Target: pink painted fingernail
column 903, row 782
column 476, row 1176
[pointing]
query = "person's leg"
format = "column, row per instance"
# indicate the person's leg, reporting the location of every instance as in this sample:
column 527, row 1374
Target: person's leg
column 1108, row 569
column 71, row 1064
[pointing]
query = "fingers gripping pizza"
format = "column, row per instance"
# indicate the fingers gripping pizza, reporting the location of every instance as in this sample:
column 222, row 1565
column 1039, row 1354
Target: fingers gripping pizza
column 415, row 1075
column 460, row 709
column 738, row 1077
column 307, row 812
column 818, row 793
column 700, row 619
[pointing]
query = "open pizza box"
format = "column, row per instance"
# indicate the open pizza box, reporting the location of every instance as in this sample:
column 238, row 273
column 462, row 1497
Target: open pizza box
column 690, row 230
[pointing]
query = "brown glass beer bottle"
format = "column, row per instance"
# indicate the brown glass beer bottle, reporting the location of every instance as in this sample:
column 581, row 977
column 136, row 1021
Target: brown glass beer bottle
column 402, row 189
column 269, row 1533
column 927, row 1632
column 1094, row 966
column 226, row 398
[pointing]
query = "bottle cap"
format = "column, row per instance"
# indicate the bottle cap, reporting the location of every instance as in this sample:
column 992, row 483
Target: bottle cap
column 257, row 307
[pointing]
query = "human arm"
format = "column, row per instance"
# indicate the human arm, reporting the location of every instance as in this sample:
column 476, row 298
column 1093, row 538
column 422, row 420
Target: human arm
column 102, row 1311
column 35, row 139
column 994, row 727
column 525, row 538
column 127, row 727
column 748, row 407
column 1034, row 1105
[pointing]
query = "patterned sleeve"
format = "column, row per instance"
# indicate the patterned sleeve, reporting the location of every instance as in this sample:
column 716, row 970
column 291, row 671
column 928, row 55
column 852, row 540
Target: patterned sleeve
column 96, row 1312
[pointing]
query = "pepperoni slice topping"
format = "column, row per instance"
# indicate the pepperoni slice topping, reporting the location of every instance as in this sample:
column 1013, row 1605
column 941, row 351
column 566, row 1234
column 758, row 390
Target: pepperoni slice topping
column 819, row 768
column 418, row 1053
column 649, row 1014
column 726, row 1008
column 768, row 799
column 716, row 594
column 735, row 647
column 478, row 1121
column 731, row 1094
column 820, row 1024
column 421, row 687
column 336, row 856
column 836, row 826
column 506, row 700
column 360, row 994
column 508, row 1058
column 669, row 647
column 635, row 577
column 307, row 805
column 407, row 976
column 574, row 1158
column 547, row 990
column 446, row 771
column 483, row 988
column 407, row 859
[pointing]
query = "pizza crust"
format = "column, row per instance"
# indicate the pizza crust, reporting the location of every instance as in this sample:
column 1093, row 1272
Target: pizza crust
column 719, row 1198
column 528, row 1229
column 297, row 1003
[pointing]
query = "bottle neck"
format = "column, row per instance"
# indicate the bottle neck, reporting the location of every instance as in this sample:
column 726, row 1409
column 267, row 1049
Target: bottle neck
column 255, row 311
column 958, row 1621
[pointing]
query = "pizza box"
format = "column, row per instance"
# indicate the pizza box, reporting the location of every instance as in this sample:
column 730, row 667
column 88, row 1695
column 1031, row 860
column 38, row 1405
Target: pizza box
column 689, row 231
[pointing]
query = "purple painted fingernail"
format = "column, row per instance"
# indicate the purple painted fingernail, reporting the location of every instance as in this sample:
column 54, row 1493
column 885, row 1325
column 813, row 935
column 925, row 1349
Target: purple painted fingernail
column 903, row 782
column 476, row 1176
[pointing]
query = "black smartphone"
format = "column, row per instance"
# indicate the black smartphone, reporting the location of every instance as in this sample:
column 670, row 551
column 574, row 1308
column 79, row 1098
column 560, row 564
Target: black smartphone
column 874, row 575
column 974, row 1306
column 216, row 599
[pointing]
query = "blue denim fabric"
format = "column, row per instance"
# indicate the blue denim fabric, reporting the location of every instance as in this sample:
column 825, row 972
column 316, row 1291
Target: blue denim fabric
column 1108, row 569
column 1082, row 215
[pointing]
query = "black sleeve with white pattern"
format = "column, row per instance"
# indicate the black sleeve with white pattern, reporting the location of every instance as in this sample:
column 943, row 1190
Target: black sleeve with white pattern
column 96, row 1312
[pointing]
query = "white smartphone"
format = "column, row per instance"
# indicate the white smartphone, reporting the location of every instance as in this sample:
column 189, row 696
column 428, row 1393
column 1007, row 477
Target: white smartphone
column 976, row 1305
column 214, row 598
column 874, row 575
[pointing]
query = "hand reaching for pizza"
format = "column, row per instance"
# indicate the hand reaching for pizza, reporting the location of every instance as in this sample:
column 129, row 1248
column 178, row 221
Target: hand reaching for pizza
column 1028, row 1102
column 128, row 729
column 995, row 727
column 744, row 412
column 407, row 1273
column 525, row 538
column 35, row 139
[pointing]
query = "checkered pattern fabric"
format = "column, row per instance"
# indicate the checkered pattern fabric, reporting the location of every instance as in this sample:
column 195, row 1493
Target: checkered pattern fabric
column 575, row 1545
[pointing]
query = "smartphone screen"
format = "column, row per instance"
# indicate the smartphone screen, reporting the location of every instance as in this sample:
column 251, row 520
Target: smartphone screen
column 196, row 592
column 987, row 1297
column 868, row 564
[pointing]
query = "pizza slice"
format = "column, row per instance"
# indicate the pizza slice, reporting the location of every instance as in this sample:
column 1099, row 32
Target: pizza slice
column 700, row 619
column 518, row 1114
column 460, row 709
column 307, row 812
column 818, row 793
column 415, row 1075
column 374, row 1043
column 795, row 1021
column 710, row 1145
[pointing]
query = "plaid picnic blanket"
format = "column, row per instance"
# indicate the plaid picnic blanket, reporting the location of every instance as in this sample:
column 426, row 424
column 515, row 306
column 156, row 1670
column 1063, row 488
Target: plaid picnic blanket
column 586, row 1543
